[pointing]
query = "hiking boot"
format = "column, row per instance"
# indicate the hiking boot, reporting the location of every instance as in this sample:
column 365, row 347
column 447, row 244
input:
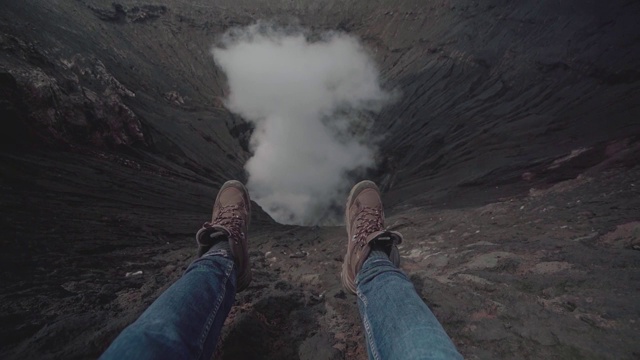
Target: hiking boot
column 230, row 219
column 364, row 218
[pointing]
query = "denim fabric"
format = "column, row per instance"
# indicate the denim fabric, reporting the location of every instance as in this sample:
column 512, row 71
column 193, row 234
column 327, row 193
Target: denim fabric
column 186, row 320
column 397, row 323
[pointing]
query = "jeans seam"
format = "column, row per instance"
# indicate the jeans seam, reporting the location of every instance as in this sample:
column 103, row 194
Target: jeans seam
column 362, row 297
column 212, row 316
column 367, row 329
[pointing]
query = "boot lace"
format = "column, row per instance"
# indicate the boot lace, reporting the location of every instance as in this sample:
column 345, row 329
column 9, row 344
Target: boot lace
column 370, row 221
column 230, row 220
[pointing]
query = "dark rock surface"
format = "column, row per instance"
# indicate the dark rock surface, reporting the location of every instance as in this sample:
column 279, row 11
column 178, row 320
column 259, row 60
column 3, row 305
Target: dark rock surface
column 509, row 163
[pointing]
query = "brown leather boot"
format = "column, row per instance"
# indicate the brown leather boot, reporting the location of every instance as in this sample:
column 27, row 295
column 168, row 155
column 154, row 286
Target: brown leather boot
column 231, row 217
column 364, row 218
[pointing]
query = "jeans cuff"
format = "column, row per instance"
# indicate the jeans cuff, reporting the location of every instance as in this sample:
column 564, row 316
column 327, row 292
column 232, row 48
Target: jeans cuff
column 218, row 252
column 376, row 255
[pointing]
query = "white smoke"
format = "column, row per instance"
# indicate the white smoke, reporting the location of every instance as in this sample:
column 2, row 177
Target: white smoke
column 311, row 102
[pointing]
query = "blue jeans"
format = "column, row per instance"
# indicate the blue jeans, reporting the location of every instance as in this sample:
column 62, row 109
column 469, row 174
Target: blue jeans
column 186, row 320
column 397, row 323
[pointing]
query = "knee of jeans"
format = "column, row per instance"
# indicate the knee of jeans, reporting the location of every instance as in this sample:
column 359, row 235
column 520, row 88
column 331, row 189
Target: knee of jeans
column 153, row 328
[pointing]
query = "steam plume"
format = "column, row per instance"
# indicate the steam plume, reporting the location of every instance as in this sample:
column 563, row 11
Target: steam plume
column 311, row 102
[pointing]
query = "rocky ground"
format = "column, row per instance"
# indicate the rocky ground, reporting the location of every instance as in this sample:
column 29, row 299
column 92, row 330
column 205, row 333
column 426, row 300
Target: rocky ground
column 549, row 274
column 510, row 164
column 525, row 277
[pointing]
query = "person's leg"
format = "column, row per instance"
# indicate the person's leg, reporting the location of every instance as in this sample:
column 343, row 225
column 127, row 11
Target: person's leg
column 186, row 320
column 397, row 323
